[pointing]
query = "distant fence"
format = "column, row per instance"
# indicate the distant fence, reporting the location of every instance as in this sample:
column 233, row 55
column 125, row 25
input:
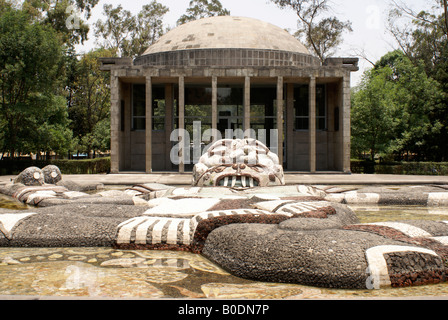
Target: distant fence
column 89, row 166
column 408, row 168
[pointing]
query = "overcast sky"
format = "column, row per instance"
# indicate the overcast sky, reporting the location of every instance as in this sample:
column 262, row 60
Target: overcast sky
column 368, row 19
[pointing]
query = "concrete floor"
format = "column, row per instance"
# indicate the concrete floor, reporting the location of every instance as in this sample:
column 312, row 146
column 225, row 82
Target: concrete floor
column 290, row 178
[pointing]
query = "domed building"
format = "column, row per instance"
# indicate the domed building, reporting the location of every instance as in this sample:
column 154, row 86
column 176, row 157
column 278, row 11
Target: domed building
column 238, row 76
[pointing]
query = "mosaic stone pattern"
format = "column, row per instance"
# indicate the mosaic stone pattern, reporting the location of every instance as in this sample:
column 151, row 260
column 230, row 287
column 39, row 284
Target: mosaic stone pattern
column 283, row 234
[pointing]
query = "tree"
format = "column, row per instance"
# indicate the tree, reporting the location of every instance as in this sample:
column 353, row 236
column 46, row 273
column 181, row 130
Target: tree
column 49, row 130
column 418, row 97
column 5, row 5
column 148, row 29
column 423, row 37
column 30, row 70
column 116, row 30
column 199, row 9
column 63, row 16
column 372, row 113
column 419, row 34
column 91, row 100
column 322, row 35
column 393, row 110
column 130, row 35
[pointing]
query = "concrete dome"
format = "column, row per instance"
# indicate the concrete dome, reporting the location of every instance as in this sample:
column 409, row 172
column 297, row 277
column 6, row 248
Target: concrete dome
column 227, row 32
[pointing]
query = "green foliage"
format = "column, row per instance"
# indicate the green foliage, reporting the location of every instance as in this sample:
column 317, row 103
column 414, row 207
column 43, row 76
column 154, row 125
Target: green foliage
column 393, row 107
column 31, row 60
column 373, row 113
column 401, row 168
column 129, row 35
column 101, row 135
column 200, row 9
column 149, row 28
column 49, row 129
column 423, row 37
column 91, row 166
column 90, row 103
column 321, row 35
column 115, row 31
column 63, row 17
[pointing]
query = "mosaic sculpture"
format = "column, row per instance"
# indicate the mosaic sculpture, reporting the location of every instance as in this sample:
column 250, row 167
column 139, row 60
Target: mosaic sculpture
column 283, row 234
column 241, row 163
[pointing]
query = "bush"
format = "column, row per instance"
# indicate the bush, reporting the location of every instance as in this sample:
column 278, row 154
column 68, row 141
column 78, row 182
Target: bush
column 408, row 168
column 362, row 166
column 90, row 166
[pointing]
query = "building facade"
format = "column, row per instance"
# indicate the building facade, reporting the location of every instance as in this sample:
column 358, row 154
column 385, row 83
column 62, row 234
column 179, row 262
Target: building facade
column 229, row 74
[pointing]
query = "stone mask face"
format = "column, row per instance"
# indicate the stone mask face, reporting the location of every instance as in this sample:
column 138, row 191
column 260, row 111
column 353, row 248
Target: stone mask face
column 239, row 164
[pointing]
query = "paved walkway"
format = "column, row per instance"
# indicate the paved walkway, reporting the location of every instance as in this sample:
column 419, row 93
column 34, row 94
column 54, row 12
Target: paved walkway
column 291, row 179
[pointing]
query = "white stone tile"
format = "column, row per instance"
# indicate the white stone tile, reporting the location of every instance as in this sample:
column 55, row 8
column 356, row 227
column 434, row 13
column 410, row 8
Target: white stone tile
column 185, row 191
column 301, row 207
column 337, row 198
column 364, row 198
column 183, row 207
column 140, row 202
column 75, row 194
column 438, row 199
column 125, row 229
column 113, row 193
column 172, row 231
column 442, row 240
column 271, row 205
column 158, row 230
column 407, row 229
column 9, row 221
column 267, row 196
column 142, row 230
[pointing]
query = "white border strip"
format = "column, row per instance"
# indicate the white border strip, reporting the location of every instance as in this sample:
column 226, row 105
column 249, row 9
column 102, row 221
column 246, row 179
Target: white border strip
column 9, row 220
column 407, row 229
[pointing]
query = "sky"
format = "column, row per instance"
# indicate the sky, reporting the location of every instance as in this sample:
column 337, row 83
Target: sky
column 368, row 17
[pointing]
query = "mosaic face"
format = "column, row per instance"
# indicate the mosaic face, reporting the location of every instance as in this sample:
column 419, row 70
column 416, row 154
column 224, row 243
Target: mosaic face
column 240, row 164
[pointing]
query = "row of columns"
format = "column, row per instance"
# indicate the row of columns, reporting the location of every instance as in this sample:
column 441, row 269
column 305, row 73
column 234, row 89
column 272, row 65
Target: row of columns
column 115, row 116
column 181, row 106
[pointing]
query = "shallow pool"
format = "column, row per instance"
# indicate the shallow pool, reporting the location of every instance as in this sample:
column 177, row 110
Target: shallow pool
column 8, row 204
column 109, row 273
column 370, row 214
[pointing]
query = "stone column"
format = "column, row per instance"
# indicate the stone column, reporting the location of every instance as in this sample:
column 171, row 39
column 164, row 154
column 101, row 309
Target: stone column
column 346, row 124
column 280, row 109
column 148, row 125
column 115, row 117
column 182, row 122
column 215, row 103
column 169, row 110
column 290, row 122
column 312, row 124
column 126, row 145
column 246, row 124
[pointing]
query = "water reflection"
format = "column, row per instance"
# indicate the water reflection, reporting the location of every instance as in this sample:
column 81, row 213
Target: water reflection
column 370, row 214
column 8, row 203
column 108, row 273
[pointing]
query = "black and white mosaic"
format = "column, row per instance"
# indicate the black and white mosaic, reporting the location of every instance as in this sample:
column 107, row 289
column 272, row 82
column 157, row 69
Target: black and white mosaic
column 285, row 234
